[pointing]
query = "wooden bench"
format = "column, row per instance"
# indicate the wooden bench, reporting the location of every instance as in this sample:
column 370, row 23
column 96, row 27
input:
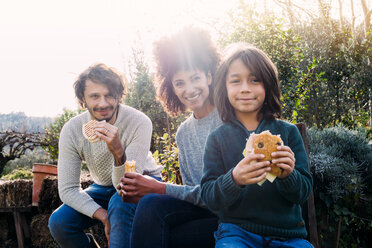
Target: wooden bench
column 308, row 209
column 21, row 226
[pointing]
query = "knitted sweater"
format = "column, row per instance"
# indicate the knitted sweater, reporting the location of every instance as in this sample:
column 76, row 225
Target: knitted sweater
column 191, row 138
column 272, row 209
column 135, row 131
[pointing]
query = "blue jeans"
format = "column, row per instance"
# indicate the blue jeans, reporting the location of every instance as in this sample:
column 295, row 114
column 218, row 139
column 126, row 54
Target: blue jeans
column 164, row 221
column 230, row 235
column 67, row 225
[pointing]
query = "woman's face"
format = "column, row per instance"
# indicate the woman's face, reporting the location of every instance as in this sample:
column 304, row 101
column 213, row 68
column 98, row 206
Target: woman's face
column 246, row 94
column 192, row 88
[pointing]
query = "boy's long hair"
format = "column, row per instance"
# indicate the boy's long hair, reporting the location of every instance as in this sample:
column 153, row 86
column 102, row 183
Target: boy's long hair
column 101, row 74
column 190, row 48
column 261, row 66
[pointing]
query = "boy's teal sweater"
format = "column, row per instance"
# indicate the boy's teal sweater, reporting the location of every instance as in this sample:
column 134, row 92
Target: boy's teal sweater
column 270, row 210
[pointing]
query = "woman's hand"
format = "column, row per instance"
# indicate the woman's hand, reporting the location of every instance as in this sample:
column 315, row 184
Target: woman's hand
column 249, row 171
column 134, row 186
column 284, row 158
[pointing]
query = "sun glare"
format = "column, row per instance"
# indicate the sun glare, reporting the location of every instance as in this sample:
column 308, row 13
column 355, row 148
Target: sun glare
column 46, row 44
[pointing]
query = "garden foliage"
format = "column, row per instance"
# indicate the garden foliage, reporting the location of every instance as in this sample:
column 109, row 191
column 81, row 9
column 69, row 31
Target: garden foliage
column 341, row 162
column 52, row 132
column 324, row 66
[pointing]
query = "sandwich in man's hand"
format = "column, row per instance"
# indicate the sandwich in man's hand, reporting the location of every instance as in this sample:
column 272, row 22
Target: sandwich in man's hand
column 89, row 132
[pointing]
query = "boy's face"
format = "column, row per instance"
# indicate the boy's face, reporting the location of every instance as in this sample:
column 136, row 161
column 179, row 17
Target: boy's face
column 192, row 88
column 246, row 94
column 100, row 103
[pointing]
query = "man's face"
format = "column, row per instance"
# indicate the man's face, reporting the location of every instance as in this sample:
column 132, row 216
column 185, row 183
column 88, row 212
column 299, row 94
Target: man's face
column 100, row 103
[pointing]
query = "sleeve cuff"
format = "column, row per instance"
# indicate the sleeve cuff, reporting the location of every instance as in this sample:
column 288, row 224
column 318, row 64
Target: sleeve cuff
column 117, row 173
column 229, row 186
column 172, row 189
column 290, row 182
column 91, row 209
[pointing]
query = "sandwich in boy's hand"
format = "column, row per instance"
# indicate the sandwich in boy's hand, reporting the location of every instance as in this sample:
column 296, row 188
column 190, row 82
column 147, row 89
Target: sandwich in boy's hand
column 264, row 143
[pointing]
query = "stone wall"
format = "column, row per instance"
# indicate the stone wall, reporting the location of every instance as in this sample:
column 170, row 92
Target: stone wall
column 18, row 193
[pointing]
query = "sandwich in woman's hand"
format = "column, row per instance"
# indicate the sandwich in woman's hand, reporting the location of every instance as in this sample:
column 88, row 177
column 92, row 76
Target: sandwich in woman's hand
column 265, row 143
column 130, row 166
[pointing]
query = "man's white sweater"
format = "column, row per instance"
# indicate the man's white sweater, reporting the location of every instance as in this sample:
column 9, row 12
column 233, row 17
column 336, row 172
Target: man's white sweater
column 135, row 130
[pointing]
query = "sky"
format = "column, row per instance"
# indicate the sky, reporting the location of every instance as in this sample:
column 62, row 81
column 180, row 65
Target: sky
column 46, row 44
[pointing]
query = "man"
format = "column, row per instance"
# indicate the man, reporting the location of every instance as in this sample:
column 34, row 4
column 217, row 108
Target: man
column 125, row 134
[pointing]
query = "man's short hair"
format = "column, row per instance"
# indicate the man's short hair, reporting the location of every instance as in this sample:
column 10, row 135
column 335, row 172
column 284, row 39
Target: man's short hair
column 101, row 74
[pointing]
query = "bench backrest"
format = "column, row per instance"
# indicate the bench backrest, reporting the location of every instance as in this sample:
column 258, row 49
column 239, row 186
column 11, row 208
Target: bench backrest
column 308, row 208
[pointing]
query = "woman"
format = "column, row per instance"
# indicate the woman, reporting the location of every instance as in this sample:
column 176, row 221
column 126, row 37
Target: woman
column 175, row 214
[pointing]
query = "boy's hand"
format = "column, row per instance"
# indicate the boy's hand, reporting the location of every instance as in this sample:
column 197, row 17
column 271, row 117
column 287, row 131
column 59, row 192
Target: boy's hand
column 284, row 158
column 249, row 171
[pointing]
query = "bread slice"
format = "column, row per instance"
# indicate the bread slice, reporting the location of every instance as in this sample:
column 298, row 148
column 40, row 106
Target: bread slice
column 89, row 132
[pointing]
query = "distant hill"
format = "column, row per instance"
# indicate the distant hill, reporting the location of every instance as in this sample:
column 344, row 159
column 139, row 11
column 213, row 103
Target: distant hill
column 21, row 123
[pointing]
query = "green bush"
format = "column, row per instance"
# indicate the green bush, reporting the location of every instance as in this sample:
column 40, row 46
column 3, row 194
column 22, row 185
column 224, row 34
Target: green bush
column 53, row 130
column 23, row 173
column 38, row 155
column 341, row 162
column 166, row 154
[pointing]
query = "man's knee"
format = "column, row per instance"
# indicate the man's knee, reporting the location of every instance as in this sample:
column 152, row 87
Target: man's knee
column 117, row 206
column 55, row 223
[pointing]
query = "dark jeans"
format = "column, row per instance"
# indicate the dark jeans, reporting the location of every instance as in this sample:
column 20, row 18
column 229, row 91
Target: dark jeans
column 164, row 221
column 230, row 235
column 67, row 225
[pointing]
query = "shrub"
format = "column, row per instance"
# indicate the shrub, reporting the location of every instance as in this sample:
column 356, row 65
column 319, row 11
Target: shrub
column 52, row 132
column 166, row 154
column 341, row 162
column 19, row 174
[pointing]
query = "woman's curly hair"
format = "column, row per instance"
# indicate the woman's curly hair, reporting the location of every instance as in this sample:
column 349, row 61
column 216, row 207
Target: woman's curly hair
column 190, row 48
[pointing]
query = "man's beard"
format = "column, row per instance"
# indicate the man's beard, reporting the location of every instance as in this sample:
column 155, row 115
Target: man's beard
column 103, row 109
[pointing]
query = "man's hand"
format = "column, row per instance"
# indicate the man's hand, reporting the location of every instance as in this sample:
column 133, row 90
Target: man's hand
column 284, row 158
column 134, row 186
column 249, row 171
column 110, row 135
column 101, row 215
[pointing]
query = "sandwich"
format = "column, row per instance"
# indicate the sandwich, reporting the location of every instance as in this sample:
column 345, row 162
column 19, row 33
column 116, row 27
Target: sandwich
column 89, row 132
column 265, row 143
column 130, row 166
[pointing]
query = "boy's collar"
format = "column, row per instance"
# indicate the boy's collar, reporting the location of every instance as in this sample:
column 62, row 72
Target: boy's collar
column 257, row 130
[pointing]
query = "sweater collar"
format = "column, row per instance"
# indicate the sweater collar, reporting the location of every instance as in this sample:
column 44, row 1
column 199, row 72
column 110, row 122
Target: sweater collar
column 259, row 128
column 205, row 119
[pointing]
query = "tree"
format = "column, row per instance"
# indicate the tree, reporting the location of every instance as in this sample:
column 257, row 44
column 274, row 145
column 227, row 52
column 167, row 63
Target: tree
column 324, row 68
column 14, row 144
column 142, row 96
column 141, row 93
column 52, row 132
column 345, row 49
